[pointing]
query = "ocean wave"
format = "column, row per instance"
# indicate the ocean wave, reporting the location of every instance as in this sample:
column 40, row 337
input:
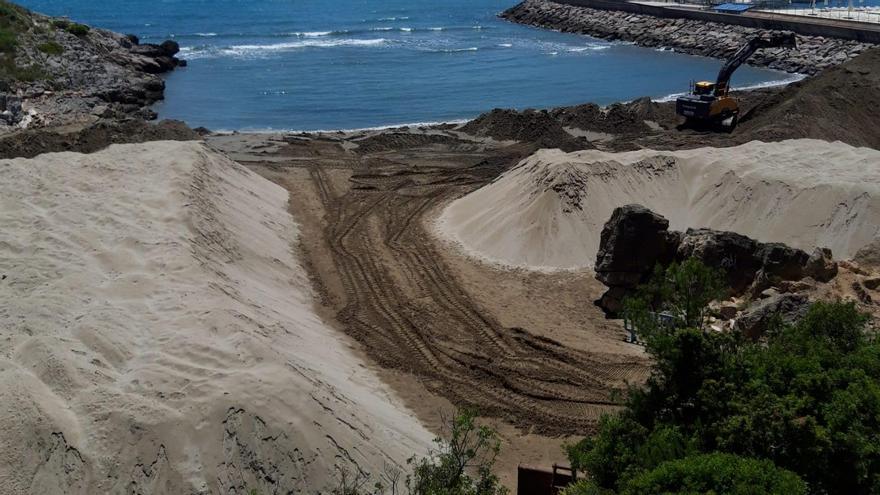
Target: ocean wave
column 271, row 130
column 590, row 48
column 767, row 84
column 392, row 19
column 318, row 34
column 456, row 50
column 206, row 51
column 206, row 35
column 506, row 45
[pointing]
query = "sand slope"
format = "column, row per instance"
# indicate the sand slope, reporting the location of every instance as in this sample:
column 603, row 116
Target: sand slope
column 548, row 212
column 156, row 335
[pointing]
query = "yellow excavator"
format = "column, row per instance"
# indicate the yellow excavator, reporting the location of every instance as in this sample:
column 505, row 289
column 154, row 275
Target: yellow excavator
column 710, row 103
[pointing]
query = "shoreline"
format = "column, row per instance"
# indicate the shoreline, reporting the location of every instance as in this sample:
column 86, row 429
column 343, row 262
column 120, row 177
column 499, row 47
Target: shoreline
column 793, row 78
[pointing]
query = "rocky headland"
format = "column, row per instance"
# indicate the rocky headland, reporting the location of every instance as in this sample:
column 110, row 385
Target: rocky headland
column 693, row 37
column 60, row 76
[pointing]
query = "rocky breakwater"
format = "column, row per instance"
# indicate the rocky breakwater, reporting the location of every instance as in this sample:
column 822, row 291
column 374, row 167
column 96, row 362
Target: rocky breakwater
column 635, row 240
column 55, row 72
column 708, row 39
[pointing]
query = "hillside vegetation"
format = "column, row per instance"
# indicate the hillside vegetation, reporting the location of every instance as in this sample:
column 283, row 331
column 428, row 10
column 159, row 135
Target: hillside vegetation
column 796, row 413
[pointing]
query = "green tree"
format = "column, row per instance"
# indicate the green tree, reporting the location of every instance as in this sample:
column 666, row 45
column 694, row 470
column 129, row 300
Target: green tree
column 682, row 291
column 716, row 474
column 460, row 464
column 805, row 399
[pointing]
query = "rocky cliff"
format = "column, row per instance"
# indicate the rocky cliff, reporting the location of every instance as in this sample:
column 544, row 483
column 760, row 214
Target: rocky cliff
column 55, row 72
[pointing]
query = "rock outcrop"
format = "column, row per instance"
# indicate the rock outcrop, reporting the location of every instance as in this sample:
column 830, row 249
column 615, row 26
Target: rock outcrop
column 707, row 39
column 636, row 239
column 757, row 318
column 633, row 242
column 62, row 73
column 869, row 256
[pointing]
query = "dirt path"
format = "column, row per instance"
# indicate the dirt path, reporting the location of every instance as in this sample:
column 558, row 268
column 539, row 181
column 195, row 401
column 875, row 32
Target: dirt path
column 409, row 302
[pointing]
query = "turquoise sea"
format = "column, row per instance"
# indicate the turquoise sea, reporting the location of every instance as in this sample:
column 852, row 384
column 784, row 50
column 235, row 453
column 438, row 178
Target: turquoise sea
column 345, row 64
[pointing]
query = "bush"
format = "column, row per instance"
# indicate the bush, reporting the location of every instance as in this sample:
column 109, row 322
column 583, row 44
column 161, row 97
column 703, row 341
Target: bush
column 51, row 48
column 71, row 27
column 717, row 473
column 807, row 399
column 78, row 29
column 469, row 448
column 8, row 41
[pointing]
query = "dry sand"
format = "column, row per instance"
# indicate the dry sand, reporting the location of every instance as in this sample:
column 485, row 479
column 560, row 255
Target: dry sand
column 157, row 335
column 547, row 213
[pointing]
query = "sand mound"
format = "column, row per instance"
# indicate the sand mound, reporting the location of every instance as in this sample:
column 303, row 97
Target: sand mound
column 529, row 126
column 157, row 336
column 838, row 104
column 548, row 212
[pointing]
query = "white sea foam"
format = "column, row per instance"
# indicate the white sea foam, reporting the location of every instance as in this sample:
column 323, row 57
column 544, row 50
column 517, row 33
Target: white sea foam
column 381, row 28
column 406, row 29
column 506, row 45
column 318, row 34
column 264, row 50
column 436, row 29
column 206, row 35
column 590, row 48
column 458, row 50
column 270, row 130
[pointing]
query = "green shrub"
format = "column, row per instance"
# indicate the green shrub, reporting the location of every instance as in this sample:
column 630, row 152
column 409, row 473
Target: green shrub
column 716, row 473
column 468, row 449
column 71, row 27
column 8, row 40
column 51, row 48
column 78, row 29
column 806, row 399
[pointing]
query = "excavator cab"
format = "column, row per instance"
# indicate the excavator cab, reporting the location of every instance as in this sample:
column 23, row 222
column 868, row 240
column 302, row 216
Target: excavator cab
column 704, row 88
column 710, row 103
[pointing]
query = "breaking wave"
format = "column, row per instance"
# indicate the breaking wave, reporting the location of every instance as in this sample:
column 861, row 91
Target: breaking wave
column 263, row 50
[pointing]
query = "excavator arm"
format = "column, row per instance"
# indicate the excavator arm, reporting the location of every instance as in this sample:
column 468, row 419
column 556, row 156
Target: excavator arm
column 787, row 40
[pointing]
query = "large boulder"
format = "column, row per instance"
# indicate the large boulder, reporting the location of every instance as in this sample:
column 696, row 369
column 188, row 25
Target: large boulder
column 735, row 254
column 756, row 319
column 632, row 243
column 782, row 262
column 635, row 240
column 821, row 265
column 869, row 256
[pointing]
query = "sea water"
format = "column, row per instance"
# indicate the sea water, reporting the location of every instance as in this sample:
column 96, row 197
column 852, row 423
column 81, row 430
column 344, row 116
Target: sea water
column 347, row 64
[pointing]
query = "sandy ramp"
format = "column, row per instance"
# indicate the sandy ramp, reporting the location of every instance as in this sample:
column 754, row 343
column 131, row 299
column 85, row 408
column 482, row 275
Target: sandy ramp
column 157, row 336
column 548, row 212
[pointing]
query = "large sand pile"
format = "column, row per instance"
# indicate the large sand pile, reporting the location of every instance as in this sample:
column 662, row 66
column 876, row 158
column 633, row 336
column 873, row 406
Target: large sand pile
column 157, row 336
column 548, row 212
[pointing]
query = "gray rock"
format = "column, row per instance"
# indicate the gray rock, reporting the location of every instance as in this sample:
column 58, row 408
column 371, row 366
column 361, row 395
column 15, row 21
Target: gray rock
column 756, row 319
column 821, row 265
column 782, row 262
column 869, row 255
column 735, row 254
column 633, row 241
